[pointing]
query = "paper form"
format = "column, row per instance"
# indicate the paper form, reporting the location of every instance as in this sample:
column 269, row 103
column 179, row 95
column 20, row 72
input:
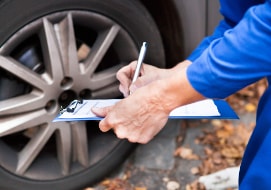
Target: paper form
column 201, row 108
column 83, row 111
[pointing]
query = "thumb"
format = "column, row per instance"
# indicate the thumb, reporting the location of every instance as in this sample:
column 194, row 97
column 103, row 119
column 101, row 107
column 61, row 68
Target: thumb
column 101, row 111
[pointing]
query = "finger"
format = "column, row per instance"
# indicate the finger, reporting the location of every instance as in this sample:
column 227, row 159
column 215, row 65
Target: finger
column 103, row 126
column 123, row 90
column 109, row 122
column 101, row 111
column 140, row 82
column 142, row 70
column 124, row 75
column 121, row 132
column 138, row 137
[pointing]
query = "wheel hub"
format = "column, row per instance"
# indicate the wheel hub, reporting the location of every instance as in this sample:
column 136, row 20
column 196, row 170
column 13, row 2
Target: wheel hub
column 66, row 97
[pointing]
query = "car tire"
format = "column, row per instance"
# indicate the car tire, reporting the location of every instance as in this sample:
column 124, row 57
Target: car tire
column 132, row 17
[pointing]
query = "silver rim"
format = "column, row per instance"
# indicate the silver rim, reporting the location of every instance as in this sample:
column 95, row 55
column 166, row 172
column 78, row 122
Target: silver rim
column 46, row 64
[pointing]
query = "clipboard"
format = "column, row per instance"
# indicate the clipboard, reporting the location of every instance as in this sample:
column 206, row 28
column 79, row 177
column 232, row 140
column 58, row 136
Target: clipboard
column 80, row 110
column 226, row 112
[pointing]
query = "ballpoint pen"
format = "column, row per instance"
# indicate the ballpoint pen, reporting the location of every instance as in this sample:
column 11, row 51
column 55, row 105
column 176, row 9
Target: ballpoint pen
column 140, row 60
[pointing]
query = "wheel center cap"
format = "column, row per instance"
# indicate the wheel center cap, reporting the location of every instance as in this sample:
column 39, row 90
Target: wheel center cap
column 66, row 97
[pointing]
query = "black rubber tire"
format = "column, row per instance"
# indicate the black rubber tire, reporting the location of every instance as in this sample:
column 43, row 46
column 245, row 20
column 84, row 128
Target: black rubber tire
column 131, row 15
column 134, row 18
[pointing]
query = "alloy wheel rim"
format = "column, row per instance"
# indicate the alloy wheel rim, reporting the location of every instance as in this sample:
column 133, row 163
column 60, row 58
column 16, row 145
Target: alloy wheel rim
column 60, row 64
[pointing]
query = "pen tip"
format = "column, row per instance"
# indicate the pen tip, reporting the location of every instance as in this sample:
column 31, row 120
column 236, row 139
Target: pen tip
column 145, row 44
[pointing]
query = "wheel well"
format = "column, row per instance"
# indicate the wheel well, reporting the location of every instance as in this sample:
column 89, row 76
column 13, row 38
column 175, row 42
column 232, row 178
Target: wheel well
column 168, row 22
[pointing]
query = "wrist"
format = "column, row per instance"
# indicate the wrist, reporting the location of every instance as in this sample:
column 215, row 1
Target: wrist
column 176, row 89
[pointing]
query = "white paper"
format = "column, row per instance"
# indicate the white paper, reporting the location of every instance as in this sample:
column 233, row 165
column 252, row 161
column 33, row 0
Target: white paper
column 84, row 110
column 201, row 108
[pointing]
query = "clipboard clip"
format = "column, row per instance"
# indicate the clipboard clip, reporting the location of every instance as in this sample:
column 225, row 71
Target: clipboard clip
column 71, row 107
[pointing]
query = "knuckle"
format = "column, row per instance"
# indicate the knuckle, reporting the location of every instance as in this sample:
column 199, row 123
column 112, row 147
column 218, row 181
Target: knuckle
column 121, row 134
column 138, row 139
column 145, row 139
column 106, row 124
column 133, row 139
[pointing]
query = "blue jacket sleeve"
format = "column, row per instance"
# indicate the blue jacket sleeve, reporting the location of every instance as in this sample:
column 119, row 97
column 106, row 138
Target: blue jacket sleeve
column 232, row 11
column 239, row 58
column 218, row 33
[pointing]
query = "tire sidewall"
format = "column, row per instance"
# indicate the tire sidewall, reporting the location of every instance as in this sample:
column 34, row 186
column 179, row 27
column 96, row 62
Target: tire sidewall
column 131, row 15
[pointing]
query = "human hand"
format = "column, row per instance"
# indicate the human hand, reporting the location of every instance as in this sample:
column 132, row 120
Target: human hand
column 148, row 74
column 138, row 117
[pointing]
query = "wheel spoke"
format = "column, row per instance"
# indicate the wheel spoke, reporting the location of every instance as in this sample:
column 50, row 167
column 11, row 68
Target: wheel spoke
column 104, row 84
column 16, row 123
column 20, row 104
column 80, row 143
column 104, row 78
column 64, row 146
column 102, row 44
column 22, row 72
column 32, row 149
column 51, row 51
column 67, row 43
column 111, row 91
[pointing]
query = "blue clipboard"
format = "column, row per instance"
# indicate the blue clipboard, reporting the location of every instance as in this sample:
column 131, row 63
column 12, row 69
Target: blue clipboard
column 226, row 112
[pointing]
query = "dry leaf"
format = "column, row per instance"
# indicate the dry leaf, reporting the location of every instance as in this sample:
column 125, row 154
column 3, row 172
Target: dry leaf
column 173, row 185
column 106, row 182
column 224, row 146
column 250, row 107
column 217, row 122
column 195, row 170
column 196, row 185
column 186, row 153
column 231, row 153
column 117, row 184
column 140, row 188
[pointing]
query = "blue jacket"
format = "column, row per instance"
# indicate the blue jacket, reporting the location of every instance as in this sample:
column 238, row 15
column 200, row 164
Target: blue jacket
column 236, row 55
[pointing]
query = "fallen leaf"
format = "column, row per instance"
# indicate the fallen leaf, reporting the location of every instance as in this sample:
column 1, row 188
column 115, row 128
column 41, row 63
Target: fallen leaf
column 196, row 185
column 195, row 170
column 231, row 152
column 106, row 182
column 186, row 153
column 173, row 185
column 250, row 107
column 140, row 188
column 116, row 184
